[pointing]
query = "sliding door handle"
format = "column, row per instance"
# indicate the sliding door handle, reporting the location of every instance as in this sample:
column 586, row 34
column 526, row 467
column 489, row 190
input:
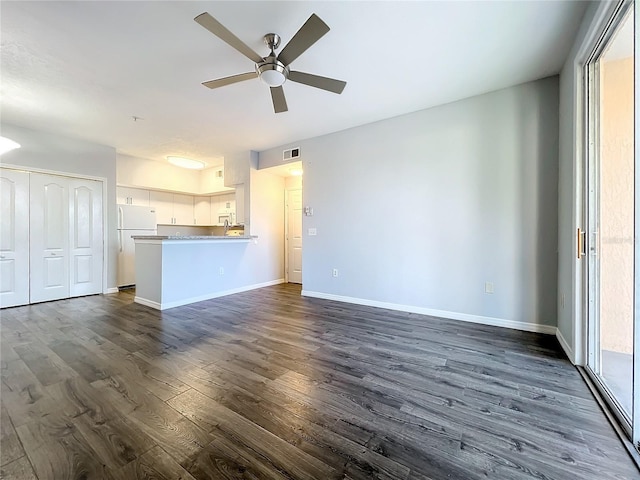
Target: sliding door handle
column 581, row 243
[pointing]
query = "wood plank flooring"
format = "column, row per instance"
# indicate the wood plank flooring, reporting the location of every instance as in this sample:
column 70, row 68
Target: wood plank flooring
column 269, row 385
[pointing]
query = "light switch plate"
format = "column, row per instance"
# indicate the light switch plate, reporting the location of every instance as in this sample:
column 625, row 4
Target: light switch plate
column 312, row 232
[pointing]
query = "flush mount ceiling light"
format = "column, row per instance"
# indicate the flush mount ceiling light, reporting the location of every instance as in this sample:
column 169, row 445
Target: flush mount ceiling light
column 6, row 145
column 186, row 163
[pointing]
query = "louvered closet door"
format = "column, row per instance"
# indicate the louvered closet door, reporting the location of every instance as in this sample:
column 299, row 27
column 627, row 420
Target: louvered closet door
column 14, row 238
column 86, row 237
column 49, row 242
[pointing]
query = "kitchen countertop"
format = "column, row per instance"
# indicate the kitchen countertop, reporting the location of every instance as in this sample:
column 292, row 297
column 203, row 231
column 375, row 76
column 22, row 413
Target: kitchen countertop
column 194, row 237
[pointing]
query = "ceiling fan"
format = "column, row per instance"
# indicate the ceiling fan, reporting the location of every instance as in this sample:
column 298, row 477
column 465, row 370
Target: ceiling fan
column 274, row 70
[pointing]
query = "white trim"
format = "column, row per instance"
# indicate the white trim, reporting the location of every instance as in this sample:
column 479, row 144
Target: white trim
column 147, row 303
column 465, row 317
column 565, row 346
column 209, row 296
column 111, row 290
column 51, row 172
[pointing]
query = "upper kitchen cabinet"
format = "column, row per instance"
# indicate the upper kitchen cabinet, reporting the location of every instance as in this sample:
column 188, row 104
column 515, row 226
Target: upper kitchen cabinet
column 162, row 202
column 172, row 208
column 132, row 196
column 202, row 211
column 183, row 209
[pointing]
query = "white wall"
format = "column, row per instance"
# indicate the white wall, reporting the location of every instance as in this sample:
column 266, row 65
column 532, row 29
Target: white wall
column 141, row 172
column 54, row 153
column 209, row 183
column 417, row 212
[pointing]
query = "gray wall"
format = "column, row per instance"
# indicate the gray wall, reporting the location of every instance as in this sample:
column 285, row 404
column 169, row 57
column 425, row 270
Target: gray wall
column 419, row 211
column 54, row 153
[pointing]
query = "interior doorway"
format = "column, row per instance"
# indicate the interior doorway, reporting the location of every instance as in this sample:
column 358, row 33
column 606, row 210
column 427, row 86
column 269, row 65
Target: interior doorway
column 610, row 237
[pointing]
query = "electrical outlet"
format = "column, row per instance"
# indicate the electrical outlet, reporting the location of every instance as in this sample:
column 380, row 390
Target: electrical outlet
column 312, row 232
column 488, row 287
column 221, row 270
column 334, row 272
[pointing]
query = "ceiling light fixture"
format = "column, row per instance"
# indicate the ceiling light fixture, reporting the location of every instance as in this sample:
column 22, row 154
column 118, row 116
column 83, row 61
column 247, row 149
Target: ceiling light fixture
column 6, row 145
column 273, row 74
column 186, row 163
column 272, row 71
column 296, row 172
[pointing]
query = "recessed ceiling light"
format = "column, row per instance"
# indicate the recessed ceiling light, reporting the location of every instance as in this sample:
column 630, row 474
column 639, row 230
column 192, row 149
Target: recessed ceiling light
column 296, row 172
column 186, row 163
column 6, row 145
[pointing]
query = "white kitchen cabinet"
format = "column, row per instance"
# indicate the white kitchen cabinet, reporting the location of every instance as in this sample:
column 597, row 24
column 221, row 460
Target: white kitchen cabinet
column 162, row 202
column 183, row 209
column 132, row 196
column 172, row 208
column 202, row 210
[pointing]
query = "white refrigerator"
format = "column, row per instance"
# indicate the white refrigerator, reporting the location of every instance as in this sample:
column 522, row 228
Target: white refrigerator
column 132, row 220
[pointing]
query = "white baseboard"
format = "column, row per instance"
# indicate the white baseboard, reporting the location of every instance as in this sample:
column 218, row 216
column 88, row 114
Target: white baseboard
column 111, row 290
column 148, row 303
column 565, row 346
column 201, row 298
column 465, row 317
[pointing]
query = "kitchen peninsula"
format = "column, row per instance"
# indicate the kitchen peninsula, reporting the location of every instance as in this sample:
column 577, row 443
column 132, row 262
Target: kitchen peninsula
column 179, row 270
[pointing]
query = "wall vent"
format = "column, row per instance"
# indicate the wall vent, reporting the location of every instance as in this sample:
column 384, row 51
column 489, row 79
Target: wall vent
column 291, row 154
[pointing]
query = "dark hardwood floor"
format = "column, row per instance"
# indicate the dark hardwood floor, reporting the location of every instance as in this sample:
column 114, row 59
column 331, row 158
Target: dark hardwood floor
column 268, row 385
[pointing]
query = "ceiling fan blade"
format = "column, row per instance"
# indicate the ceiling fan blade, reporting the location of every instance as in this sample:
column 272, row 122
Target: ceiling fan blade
column 279, row 102
column 325, row 83
column 220, row 31
column 312, row 30
column 221, row 82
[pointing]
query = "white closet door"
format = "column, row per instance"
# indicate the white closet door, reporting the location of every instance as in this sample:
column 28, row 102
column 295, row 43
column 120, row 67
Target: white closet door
column 49, row 246
column 85, row 236
column 14, row 238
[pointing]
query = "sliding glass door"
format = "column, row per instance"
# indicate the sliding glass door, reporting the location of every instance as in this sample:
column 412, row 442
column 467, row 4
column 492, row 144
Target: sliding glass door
column 610, row 236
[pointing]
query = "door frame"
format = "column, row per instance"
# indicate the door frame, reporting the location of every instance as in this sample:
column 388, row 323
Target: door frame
column 105, row 211
column 605, row 21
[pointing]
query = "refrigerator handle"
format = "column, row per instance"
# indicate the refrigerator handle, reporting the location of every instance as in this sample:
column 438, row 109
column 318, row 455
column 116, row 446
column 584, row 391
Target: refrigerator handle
column 121, row 239
column 120, row 218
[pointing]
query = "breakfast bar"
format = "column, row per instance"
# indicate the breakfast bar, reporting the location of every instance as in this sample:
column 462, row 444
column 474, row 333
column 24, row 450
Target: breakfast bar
column 179, row 270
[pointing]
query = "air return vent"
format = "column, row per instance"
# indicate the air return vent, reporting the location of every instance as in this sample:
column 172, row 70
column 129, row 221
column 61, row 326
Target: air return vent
column 291, row 154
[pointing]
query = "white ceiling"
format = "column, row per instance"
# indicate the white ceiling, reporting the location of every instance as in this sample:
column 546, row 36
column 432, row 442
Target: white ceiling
column 84, row 69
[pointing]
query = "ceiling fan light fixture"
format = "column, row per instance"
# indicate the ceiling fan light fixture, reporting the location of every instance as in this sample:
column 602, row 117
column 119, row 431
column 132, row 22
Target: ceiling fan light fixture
column 272, row 74
column 6, row 145
column 186, row 163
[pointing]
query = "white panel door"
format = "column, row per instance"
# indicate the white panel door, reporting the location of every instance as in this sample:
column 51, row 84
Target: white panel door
column 85, row 237
column 49, row 242
column 14, row 238
column 294, row 235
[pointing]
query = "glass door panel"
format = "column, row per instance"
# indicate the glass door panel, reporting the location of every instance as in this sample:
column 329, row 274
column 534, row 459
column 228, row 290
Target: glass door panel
column 611, row 215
